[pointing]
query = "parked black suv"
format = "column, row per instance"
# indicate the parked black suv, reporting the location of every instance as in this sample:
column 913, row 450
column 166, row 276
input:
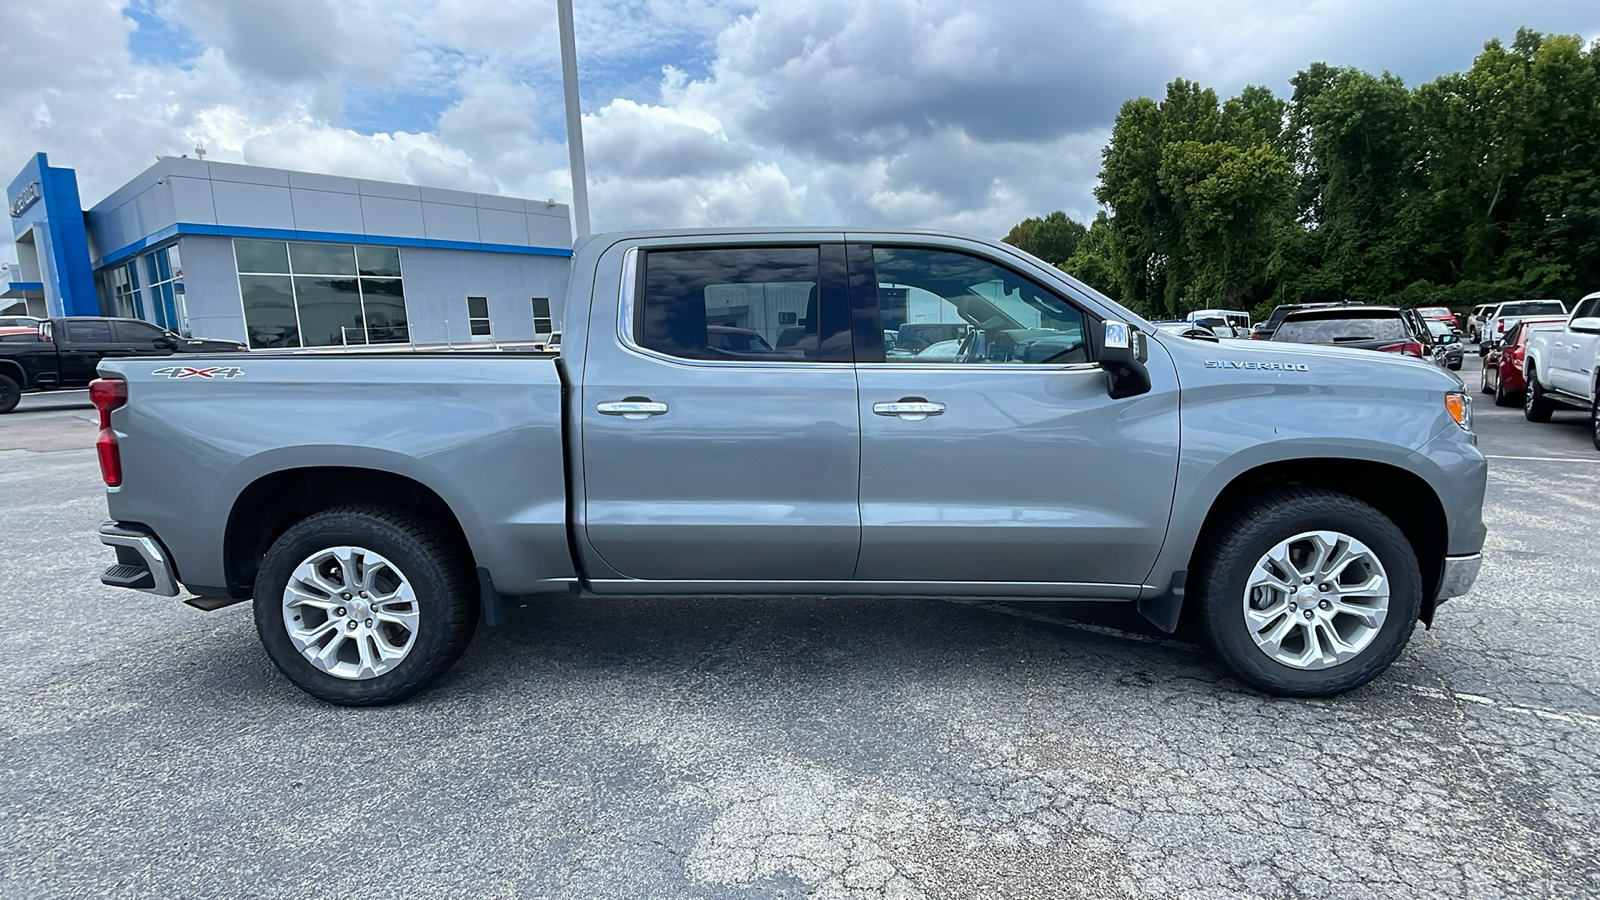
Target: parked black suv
column 64, row 352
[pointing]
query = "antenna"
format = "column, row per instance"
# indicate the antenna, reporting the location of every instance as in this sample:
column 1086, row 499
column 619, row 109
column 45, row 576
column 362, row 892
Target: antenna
column 200, row 149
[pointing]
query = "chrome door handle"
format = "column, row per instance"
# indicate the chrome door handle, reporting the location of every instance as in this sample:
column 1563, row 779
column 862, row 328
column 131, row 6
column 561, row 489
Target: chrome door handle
column 911, row 409
column 631, row 408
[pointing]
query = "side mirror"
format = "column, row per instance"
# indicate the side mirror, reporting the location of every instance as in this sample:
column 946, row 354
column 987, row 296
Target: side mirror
column 1122, row 356
column 1585, row 325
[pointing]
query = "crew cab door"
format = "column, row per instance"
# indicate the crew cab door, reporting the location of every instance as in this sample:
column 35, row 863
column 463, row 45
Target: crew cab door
column 720, row 440
column 80, row 345
column 1573, row 352
column 1003, row 459
column 141, row 339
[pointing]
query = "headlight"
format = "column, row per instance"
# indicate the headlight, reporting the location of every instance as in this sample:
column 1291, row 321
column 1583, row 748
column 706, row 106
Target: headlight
column 1459, row 405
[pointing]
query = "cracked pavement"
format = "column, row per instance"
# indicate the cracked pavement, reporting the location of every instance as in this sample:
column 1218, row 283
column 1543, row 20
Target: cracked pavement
column 799, row 748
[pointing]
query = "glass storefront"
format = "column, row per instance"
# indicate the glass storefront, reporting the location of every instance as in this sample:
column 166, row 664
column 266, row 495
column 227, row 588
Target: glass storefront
column 320, row 295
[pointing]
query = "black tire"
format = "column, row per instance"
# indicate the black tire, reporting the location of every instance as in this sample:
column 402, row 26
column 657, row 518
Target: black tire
column 1594, row 417
column 1483, row 381
column 438, row 568
column 1503, row 397
column 10, row 394
column 1454, row 366
column 1229, row 552
column 1536, row 407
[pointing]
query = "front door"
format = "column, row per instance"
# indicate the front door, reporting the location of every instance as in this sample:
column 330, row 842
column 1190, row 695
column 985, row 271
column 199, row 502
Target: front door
column 712, row 450
column 1002, row 458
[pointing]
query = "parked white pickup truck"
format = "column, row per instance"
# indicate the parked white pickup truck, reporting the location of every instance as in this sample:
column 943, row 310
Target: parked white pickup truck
column 1563, row 367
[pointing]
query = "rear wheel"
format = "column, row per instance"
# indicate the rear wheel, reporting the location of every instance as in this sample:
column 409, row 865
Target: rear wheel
column 10, row 394
column 1536, row 407
column 1483, row 381
column 363, row 607
column 1305, row 592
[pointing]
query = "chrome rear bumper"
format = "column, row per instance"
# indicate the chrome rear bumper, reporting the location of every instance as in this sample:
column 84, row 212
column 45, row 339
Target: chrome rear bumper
column 142, row 563
column 1459, row 574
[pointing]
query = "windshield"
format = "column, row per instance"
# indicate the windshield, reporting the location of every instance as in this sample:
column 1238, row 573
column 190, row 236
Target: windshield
column 1437, row 327
column 1343, row 329
column 1533, row 308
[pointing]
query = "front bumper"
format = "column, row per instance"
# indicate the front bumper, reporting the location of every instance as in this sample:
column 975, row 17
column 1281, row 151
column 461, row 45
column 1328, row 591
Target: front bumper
column 1459, row 574
column 142, row 563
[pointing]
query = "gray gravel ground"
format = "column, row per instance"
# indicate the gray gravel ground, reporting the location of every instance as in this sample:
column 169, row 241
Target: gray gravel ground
column 795, row 748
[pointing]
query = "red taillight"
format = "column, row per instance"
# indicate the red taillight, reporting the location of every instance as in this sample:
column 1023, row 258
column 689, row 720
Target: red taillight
column 1408, row 348
column 107, row 394
column 1500, row 325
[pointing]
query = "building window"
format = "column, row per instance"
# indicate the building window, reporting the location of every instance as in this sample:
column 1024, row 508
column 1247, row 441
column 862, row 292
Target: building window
column 125, row 292
column 541, row 316
column 164, row 275
column 319, row 295
column 478, row 316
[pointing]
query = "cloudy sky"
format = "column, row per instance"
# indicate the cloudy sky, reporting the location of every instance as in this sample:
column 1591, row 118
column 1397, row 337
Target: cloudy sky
column 965, row 114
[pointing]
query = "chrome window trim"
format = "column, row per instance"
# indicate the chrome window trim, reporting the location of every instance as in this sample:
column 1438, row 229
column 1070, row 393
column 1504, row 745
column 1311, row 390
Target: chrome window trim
column 625, row 306
column 628, row 290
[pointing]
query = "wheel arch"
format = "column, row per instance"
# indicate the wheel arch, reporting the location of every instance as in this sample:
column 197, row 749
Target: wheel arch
column 1401, row 495
column 270, row 504
column 14, row 369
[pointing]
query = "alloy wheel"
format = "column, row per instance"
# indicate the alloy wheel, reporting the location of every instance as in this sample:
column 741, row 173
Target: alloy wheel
column 1316, row 600
column 350, row 612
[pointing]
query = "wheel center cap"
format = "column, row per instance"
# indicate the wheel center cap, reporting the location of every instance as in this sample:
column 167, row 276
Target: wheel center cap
column 358, row 609
column 1308, row 597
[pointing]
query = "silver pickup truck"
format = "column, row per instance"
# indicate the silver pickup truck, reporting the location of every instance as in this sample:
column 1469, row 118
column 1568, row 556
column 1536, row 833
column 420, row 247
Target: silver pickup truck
column 1303, row 507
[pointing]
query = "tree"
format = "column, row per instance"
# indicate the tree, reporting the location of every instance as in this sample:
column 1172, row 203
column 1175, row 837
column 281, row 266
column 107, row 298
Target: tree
column 1052, row 238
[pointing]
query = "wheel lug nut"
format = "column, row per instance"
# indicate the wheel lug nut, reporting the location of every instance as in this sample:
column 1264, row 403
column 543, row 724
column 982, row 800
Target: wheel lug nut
column 369, row 623
column 1308, row 613
column 1293, row 607
column 353, row 623
column 1325, row 605
column 1308, row 579
column 363, row 595
column 339, row 612
column 1325, row 588
column 346, row 594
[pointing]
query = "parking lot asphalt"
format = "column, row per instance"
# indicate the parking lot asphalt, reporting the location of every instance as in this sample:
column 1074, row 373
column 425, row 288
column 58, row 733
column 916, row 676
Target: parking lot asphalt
column 799, row 748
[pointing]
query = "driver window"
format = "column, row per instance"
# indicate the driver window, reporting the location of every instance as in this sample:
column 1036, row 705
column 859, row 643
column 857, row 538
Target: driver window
column 944, row 307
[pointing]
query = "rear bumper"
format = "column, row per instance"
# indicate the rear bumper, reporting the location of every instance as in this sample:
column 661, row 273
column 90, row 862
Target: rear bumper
column 1459, row 574
column 142, row 563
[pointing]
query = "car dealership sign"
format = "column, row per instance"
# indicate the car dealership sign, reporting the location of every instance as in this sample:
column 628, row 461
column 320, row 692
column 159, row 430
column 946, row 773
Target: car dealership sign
column 27, row 197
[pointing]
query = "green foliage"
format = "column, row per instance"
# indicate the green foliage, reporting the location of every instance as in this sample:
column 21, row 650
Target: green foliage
column 1052, row 238
column 1479, row 186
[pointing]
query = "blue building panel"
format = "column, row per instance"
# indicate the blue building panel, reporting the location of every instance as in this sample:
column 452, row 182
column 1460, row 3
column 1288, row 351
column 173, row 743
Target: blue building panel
column 47, row 220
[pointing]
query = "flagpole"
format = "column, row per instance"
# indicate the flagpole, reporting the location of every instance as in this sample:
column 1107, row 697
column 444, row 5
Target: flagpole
column 569, row 84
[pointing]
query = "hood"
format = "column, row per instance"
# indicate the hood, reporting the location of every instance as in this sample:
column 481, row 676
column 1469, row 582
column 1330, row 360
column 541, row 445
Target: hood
column 1382, row 365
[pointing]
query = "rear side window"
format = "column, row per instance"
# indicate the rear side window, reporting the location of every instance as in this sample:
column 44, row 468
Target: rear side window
column 19, row 338
column 1347, row 329
column 87, row 332
column 758, row 304
column 1534, row 308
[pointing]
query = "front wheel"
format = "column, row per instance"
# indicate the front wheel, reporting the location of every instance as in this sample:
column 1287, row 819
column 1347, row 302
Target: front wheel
column 1305, row 592
column 363, row 606
column 1483, row 381
column 1503, row 397
column 1536, row 407
column 1594, row 417
column 10, row 394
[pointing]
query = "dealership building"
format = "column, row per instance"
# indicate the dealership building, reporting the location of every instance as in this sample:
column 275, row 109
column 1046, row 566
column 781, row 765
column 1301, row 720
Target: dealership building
column 281, row 258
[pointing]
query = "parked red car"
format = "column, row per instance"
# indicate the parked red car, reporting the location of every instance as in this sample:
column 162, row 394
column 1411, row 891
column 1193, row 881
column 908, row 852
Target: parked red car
column 1502, row 365
column 1440, row 314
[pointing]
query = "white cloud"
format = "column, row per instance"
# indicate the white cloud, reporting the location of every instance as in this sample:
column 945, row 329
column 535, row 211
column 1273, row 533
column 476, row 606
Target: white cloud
column 965, row 114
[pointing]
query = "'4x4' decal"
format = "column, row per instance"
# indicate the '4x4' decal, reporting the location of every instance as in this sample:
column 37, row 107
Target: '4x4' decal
column 192, row 372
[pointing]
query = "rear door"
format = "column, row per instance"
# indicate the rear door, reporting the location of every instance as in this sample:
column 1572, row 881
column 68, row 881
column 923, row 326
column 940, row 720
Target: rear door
column 709, row 462
column 81, row 344
column 1006, row 463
